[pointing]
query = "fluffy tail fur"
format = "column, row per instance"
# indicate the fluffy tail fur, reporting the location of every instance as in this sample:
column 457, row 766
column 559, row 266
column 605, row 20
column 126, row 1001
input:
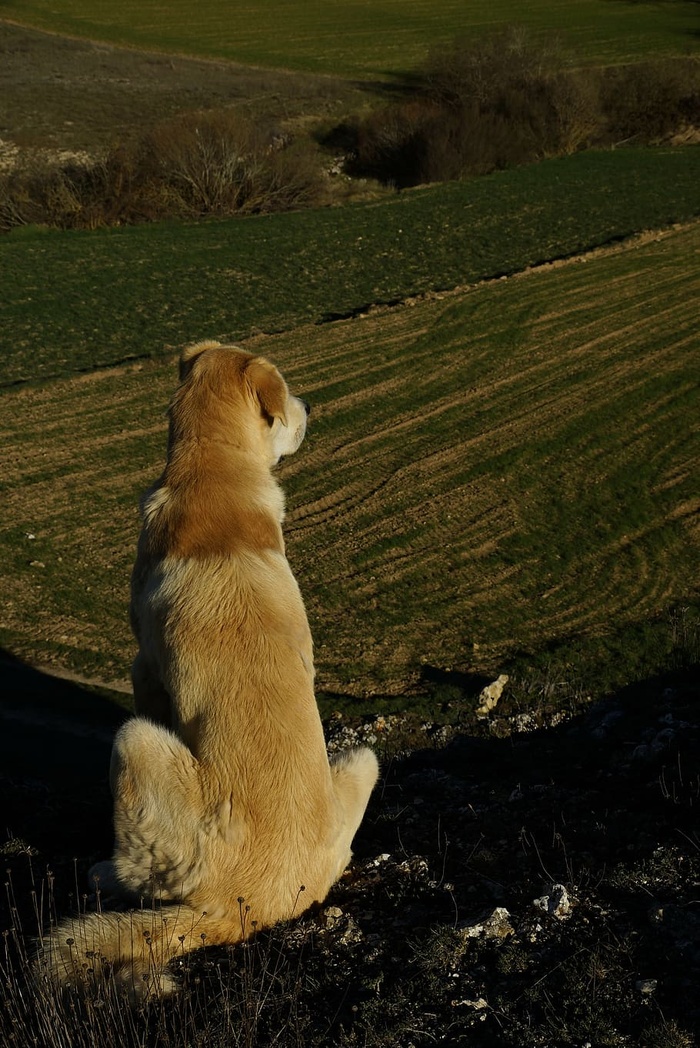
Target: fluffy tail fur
column 132, row 949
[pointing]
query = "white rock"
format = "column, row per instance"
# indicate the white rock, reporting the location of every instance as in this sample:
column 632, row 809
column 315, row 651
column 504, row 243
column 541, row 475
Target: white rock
column 490, row 695
column 496, row 926
column 556, row 904
column 330, row 915
column 478, row 1005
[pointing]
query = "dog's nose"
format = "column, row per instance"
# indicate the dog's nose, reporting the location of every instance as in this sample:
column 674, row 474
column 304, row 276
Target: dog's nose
column 307, row 407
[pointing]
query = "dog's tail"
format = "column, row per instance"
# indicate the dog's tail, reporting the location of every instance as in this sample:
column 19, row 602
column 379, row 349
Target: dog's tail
column 130, row 949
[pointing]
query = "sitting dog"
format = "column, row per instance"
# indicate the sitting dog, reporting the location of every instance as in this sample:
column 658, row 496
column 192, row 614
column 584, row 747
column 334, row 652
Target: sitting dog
column 226, row 807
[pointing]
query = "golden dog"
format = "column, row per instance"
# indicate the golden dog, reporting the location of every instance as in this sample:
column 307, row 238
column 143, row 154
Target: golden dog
column 225, row 803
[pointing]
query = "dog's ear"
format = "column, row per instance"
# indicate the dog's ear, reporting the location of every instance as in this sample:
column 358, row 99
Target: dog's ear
column 268, row 387
column 190, row 354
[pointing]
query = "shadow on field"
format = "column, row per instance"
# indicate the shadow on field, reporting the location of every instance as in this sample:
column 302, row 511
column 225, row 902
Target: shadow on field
column 470, row 684
column 639, row 749
column 55, row 743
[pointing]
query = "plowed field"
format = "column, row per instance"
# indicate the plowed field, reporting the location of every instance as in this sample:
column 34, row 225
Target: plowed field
column 486, row 472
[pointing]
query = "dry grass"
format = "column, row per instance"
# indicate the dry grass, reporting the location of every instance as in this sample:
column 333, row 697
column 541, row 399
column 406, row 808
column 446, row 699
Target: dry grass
column 63, row 93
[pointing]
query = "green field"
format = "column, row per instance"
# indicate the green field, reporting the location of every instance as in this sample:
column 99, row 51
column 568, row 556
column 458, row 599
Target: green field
column 507, row 469
column 79, row 300
column 500, row 475
column 500, row 462
column 359, row 38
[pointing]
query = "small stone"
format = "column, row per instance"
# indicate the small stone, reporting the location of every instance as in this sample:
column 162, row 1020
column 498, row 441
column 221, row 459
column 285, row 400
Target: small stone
column 495, row 926
column 330, row 916
column 656, row 915
column 478, row 1005
column 524, row 722
column 556, row 904
column 646, row 986
column 490, row 695
column 662, row 740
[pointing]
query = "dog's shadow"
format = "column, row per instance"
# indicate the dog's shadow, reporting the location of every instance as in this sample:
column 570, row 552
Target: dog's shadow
column 55, row 743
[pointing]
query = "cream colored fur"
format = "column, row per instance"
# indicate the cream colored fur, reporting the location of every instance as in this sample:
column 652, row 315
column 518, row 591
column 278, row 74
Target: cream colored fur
column 225, row 804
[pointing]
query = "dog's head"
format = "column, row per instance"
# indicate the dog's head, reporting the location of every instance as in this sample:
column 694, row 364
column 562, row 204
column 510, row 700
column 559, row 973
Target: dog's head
column 236, row 397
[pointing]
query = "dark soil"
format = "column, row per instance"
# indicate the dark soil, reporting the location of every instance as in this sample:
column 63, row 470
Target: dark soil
column 534, row 890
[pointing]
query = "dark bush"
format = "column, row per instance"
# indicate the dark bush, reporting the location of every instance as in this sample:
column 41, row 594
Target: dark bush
column 479, row 107
column 650, row 101
column 508, row 100
column 198, row 164
column 392, row 143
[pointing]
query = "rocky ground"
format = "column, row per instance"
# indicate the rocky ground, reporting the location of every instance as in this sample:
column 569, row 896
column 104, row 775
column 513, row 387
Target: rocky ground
column 534, row 889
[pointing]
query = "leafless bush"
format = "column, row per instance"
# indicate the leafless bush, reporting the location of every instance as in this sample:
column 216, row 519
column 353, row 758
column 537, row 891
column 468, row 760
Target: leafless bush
column 204, row 163
column 39, row 192
column 211, row 161
column 477, row 73
column 508, row 100
column 503, row 101
column 651, row 100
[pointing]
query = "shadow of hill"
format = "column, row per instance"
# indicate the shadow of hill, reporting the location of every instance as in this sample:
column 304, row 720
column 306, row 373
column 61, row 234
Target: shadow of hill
column 605, row 805
column 55, row 743
column 564, row 803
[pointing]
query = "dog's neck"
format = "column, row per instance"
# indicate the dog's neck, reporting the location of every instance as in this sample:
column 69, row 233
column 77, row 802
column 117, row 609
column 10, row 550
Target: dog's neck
column 214, row 500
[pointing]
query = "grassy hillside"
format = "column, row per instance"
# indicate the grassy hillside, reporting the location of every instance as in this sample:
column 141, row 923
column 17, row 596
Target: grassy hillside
column 493, row 472
column 359, row 38
column 81, row 300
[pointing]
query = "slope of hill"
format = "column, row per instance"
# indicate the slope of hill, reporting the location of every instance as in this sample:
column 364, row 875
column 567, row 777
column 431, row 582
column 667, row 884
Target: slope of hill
column 358, row 38
column 489, row 472
column 79, row 300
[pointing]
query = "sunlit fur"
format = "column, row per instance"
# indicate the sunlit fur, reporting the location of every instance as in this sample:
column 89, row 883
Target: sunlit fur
column 225, row 804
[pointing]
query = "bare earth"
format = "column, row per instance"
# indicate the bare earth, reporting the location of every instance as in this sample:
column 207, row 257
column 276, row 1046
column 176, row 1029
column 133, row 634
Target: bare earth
column 63, row 94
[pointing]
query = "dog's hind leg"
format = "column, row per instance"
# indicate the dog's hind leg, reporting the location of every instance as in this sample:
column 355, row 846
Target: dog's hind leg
column 354, row 774
column 159, row 821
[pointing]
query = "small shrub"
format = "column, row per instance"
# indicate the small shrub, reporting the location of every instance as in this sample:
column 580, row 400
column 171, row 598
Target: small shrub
column 203, row 163
column 666, row 1035
column 651, row 100
column 501, row 102
column 37, row 192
